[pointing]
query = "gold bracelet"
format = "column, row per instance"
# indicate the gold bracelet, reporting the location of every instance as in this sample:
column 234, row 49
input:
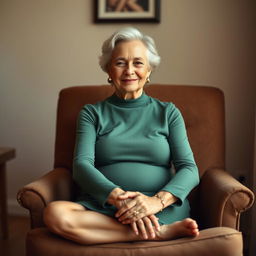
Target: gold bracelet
column 161, row 199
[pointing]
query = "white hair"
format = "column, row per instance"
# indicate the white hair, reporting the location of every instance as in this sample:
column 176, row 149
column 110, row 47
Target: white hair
column 128, row 34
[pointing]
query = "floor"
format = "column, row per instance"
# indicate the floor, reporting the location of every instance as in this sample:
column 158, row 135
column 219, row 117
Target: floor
column 15, row 244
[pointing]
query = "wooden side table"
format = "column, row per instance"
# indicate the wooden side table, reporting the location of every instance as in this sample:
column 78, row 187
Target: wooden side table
column 6, row 154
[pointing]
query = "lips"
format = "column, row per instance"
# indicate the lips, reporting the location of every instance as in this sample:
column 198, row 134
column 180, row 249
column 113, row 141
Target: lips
column 129, row 80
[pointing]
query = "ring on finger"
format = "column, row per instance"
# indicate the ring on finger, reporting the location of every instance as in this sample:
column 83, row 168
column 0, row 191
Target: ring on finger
column 135, row 213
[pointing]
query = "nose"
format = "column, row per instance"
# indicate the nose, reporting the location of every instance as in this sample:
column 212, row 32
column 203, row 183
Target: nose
column 130, row 69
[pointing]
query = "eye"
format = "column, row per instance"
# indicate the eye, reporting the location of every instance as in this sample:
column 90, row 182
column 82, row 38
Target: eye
column 138, row 63
column 120, row 63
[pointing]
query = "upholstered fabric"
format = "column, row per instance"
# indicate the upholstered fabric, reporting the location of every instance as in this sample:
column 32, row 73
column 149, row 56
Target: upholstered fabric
column 214, row 241
column 216, row 203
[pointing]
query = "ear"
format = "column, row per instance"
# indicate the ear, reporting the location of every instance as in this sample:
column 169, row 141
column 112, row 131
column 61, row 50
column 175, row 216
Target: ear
column 149, row 72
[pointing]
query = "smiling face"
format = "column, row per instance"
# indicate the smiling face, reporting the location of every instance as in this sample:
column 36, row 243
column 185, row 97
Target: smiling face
column 129, row 68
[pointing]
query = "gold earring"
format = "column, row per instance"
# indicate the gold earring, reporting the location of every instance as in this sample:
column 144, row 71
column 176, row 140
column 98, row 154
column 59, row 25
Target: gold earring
column 110, row 80
column 148, row 80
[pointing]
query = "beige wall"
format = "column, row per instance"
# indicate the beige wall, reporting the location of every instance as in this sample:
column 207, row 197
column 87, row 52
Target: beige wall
column 46, row 45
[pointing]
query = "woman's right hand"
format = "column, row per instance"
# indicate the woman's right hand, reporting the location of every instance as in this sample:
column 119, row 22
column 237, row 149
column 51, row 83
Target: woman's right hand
column 145, row 227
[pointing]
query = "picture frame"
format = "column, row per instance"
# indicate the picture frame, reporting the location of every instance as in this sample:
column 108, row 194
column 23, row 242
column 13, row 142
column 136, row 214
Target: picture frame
column 126, row 11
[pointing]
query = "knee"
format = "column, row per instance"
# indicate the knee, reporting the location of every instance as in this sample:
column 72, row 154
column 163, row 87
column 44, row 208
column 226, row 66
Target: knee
column 56, row 217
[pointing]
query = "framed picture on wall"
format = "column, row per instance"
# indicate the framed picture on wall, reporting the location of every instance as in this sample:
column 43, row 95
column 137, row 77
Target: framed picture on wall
column 110, row 11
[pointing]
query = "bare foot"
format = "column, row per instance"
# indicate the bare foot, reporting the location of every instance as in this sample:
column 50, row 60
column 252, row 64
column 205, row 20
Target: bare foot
column 186, row 227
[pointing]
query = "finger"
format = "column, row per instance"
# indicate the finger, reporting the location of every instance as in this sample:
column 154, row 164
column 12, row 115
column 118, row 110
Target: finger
column 127, row 207
column 130, row 216
column 142, row 229
column 128, row 194
column 155, row 222
column 135, row 228
column 149, row 227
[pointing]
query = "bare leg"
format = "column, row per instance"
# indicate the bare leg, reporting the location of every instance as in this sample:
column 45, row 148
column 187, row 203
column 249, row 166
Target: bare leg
column 74, row 222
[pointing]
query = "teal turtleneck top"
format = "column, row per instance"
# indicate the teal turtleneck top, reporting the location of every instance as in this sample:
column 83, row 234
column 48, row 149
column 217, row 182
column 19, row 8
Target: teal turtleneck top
column 133, row 144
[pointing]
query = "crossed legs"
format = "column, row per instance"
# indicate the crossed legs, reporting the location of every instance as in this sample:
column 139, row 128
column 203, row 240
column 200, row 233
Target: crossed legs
column 74, row 222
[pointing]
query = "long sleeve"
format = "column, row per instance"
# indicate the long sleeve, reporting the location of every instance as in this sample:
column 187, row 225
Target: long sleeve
column 130, row 144
column 186, row 177
column 89, row 178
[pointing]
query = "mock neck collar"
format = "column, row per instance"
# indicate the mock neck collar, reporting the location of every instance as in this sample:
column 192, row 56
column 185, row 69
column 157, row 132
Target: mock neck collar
column 140, row 101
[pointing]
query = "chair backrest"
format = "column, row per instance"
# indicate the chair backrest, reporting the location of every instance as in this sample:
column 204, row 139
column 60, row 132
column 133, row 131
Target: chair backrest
column 202, row 109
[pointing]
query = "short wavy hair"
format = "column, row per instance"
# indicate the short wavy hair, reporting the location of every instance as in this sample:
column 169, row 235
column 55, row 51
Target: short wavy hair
column 128, row 34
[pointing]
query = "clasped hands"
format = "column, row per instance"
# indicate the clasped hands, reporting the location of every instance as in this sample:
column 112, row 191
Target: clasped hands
column 139, row 211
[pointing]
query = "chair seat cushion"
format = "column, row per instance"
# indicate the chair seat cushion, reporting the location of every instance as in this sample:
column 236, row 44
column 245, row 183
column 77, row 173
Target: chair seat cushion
column 219, row 241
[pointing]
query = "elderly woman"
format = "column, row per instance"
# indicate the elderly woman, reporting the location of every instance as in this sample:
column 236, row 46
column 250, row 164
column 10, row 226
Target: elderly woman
column 125, row 147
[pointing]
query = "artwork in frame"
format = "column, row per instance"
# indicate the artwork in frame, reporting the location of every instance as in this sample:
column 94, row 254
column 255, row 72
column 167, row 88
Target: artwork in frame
column 110, row 11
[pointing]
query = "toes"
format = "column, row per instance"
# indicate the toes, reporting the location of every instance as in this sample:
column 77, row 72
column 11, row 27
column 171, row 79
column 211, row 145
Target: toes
column 190, row 223
column 192, row 226
column 194, row 232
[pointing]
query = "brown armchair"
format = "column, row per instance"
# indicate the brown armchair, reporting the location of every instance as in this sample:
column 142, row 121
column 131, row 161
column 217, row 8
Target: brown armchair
column 216, row 203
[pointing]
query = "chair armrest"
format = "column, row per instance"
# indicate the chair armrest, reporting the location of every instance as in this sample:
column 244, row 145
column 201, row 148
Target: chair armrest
column 55, row 185
column 222, row 199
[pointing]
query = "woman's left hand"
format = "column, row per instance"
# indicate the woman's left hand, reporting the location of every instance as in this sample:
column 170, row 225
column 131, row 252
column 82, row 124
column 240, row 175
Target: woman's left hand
column 146, row 227
column 139, row 207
